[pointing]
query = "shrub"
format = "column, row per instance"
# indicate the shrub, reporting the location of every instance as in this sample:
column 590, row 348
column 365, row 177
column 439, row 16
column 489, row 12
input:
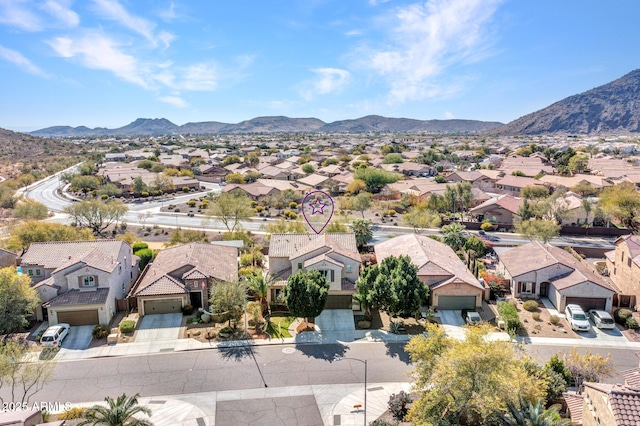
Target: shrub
column 100, row 331
column 127, row 326
column 509, row 315
column 513, row 302
column 104, row 196
column 622, row 315
column 391, row 212
column 145, row 256
column 554, row 320
column 486, row 226
column 632, row 324
column 144, row 194
column 187, row 309
column 398, row 404
column 259, row 209
column 185, row 189
column 293, row 205
column 191, row 203
column 72, row 413
column 536, row 316
column 139, row 246
column 530, row 305
column 382, row 422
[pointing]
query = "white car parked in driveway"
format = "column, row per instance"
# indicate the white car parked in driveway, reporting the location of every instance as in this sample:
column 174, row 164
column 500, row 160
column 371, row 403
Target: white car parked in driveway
column 602, row 319
column 54, row 335
column 577, row 318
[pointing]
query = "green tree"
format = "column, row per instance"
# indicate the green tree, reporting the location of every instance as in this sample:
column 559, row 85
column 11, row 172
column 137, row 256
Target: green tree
column 538, row 229
column 534, row 192
column 260, row 285
column 587, row 206
column 231, row 159
column 138, row 185
column 355, row 187
column 361, row 202
column 236, row 178
column 110, row 190
column 621, row 201
column 579, row 163
column 18, row 300
column 282, row 226
column 119, row 412
column 454, row 236
column 584, row 189
column 588, row 367
column 227, row 300
column 306, row 293
column 34, row 231
column 308, row 168
column 376, row 178
column 162, row 183
column 185, row 236
column 393, row 158
column 421, row 217
column 394, row 286
column 84, row 183
column 330, row 162
column 30, row 209
column 230, row 208
column 96, row 215
column 476, row 245
column 363, row 230
column 335, row 226
column 467, row 381
column 21, row 377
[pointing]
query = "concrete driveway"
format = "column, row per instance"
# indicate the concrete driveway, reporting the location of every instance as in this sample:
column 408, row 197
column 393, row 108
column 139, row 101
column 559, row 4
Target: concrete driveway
column 607, row 335
column 152, row 328
column 451, row 317
column 79, row 337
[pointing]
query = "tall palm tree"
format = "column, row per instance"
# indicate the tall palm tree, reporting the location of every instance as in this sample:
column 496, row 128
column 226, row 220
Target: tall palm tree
column 260, row 286
column 453, row 235
column 119, row 412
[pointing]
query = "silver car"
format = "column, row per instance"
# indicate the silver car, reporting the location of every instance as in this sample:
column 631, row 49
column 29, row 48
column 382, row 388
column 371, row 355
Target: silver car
column 577, row 318
column 602, row 319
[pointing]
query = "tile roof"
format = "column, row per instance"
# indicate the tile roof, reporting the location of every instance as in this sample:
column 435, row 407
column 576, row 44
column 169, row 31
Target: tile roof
column 214, row 261
column 430, row 256
column 632, row 377
column 623, row 400
column 80, row 297
column 575, row 403
column 163, row 286
column 506, row 201
column 101, row 254
column 294, row 245
column 535, row 256
column 320, row 258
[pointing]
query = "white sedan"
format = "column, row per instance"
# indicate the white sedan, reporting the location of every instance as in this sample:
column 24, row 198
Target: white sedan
column 602, row 319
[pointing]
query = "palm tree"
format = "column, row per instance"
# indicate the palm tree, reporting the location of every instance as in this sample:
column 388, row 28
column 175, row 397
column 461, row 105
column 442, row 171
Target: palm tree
column 119, row 412
column 453, row 236
column 524, row 413
column 260, row 286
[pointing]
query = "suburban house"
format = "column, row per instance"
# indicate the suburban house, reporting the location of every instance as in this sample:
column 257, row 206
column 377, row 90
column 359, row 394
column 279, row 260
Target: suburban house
column 183, row 275
column 605, row 404
column 7, row 258
column 623, row 264
column 541, row 270
column 335, row 255
column 501, row 210
column 451, row 284
column 79, row 281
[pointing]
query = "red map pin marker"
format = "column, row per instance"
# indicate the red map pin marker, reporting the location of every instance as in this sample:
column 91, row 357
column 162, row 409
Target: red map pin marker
column 317, row 209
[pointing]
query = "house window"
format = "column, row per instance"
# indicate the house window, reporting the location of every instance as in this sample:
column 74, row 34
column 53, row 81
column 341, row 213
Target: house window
column 623, row 256
column 38, row 272
column 299, row 265
column 329, row 274
column 527, row 287
column 348, row 269
column 628, row 262
column 88, row 281
column 30, row 272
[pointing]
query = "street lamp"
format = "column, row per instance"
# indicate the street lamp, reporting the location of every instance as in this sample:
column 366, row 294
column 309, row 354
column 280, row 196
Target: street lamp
column 364, row 361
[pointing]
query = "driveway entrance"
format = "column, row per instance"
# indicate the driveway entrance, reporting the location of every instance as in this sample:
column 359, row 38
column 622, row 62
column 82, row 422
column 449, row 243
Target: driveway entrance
column 152, row 328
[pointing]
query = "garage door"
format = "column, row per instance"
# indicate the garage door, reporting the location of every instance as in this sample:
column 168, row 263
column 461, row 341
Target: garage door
column 162, row 306
column 456, row 302
column 89, row 317
column 338, row 302
column 587, row 303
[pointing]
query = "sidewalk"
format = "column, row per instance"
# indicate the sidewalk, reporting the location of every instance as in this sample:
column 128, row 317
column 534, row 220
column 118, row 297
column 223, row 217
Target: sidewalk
column 329, row 404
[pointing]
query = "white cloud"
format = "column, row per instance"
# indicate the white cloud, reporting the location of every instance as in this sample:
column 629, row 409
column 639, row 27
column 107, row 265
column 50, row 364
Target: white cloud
column 97, row 51
column 112, row 9
column 61, row 10
column 176, row 101
column 18, row 59
column 15, row 13
column 328, row 80
column 449, row 115
column 199, row 77
column 169, row 14
column 427, row 38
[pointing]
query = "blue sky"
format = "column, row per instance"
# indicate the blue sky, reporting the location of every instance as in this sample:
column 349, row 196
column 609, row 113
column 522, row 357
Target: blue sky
column 108, row 62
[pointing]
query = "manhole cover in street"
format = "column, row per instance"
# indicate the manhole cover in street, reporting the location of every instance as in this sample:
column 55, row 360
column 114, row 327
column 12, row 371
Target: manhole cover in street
column 288, row 350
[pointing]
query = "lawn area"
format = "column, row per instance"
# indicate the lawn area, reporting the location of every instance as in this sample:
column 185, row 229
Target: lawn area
column 283, row 330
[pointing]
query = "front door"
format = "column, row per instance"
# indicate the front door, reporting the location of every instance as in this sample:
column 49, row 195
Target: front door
column 196, row 299
column 543, row 289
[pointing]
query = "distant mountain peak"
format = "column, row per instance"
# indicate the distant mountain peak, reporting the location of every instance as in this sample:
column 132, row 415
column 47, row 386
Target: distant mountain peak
column 613, row 108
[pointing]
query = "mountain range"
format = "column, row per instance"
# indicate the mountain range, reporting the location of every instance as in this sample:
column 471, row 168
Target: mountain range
column 613, row 108
column 278, row 124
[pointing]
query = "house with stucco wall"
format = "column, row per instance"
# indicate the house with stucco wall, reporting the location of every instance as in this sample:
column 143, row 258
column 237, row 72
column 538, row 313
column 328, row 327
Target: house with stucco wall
column 79, row 281
column 623, row 264
column 451, row 284
column 541, row 270
column 334, row 254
